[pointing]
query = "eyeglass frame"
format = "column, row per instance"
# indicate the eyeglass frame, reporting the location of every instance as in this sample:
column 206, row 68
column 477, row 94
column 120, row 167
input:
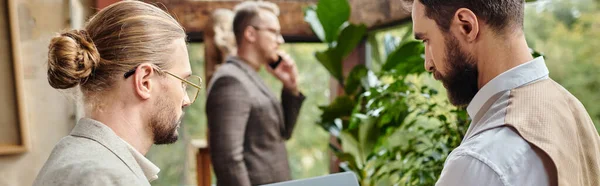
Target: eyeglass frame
column 272, row 30
column 198, row 87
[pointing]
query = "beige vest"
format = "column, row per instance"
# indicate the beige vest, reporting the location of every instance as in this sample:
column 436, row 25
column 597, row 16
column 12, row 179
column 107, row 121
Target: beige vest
column 549, row 117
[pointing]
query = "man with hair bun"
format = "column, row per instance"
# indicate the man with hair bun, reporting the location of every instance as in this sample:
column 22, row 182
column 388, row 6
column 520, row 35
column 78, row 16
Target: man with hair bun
column 132, row 67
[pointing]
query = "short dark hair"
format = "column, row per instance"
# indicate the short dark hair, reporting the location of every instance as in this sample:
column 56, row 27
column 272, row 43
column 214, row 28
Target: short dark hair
column 498, row 14
column 246, row 12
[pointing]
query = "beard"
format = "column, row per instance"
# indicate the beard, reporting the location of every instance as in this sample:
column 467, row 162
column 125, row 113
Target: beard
column 461, row 79
column 268, row 53
column 164, row 123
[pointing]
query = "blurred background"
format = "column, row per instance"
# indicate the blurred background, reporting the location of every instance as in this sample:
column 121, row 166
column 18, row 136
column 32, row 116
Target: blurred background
column 34, row 117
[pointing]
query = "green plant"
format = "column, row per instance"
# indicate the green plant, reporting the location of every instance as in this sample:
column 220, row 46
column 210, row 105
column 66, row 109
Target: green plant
column 405, row 129
column 394, row 122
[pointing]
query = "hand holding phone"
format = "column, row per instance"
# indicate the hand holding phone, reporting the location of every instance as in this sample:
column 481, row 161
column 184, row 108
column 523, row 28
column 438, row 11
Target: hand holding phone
column 284, row 69
column 274, row 64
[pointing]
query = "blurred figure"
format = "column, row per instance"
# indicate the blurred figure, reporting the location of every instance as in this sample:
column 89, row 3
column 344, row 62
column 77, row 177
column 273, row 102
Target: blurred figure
column 224, row 37
column 131, row 64
column 219, row 40
column 248, row 125
column 526, row 129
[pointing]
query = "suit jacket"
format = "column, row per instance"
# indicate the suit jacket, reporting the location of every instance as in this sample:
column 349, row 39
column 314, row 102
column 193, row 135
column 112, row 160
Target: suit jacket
column 248, row 126
column 552, row 119
column 91, row 155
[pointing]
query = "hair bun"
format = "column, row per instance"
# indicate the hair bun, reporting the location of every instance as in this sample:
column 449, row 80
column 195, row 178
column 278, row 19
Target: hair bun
column 72, row 57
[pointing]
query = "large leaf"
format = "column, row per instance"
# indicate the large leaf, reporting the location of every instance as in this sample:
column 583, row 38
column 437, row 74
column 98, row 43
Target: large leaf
column 354, row 78
column 332, row 58
column 310, row 16
column 407, row 35
column 399, row 138
column 406, row 59
column 351, row 146
column 349, row 39
column 368, row 135
column 340, row 107
column 332, row 14
column 332, row 62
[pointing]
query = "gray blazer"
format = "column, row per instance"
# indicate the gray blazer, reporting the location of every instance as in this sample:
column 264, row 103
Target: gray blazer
column 91, row 155
column 248, row 127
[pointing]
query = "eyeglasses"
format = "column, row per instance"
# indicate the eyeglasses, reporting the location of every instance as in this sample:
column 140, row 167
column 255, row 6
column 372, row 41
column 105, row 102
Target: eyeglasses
column 192, row 85
column 272, row 30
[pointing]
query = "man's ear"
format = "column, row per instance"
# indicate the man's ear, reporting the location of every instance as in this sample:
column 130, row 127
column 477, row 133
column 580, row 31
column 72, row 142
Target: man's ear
column 465, row 25
column 142, row 81
column 250, row 34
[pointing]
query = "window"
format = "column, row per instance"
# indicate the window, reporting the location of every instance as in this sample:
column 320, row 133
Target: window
column 307, row 149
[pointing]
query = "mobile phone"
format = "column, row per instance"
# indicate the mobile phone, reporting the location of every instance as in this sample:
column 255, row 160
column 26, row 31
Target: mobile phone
column 274, row 64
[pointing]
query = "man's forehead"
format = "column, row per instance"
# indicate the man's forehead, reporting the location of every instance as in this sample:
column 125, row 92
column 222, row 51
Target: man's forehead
column 418, row 10
column 180, row 57
column 418, row 16
column 267, row 17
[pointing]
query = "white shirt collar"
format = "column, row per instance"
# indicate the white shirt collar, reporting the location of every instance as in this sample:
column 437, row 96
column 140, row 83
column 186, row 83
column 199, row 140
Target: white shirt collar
column 513, row 78
column 150, row 170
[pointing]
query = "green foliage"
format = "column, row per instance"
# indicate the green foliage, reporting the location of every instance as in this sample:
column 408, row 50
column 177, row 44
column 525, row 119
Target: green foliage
column 394, row 123
column 401, row 127
column 418, row 129
column 568, row 32
column 354, row 79
column 349, row 38
column 404, row 60
column 332, row 58
column 336, row 112
column 331, row 62
column 312, row 19
column 329, row 20
column 332, row 14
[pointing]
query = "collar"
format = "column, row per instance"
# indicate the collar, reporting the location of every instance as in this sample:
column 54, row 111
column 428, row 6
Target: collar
column 242, row 64
column 255, row 77
column 513, row 78
column 150, row 170
column 99, row 132
column 253, row 74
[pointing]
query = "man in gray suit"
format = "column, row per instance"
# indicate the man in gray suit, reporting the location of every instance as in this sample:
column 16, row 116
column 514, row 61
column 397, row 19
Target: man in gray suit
column 132, row 67
column 248, row 125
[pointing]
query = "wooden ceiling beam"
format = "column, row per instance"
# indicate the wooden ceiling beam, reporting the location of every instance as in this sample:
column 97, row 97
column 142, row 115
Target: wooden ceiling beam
column 194, row 15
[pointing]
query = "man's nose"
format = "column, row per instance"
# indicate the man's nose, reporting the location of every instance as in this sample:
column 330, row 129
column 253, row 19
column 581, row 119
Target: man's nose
column 428, row 62
column 429, row 65
column 280, row 39
column 186, row 100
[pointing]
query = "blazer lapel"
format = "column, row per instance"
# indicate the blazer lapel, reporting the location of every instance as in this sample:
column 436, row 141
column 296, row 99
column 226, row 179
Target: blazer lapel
column 94, row 130
column 259, row 82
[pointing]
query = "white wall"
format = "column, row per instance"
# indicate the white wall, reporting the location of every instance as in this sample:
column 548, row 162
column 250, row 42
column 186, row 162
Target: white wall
column 50, row 113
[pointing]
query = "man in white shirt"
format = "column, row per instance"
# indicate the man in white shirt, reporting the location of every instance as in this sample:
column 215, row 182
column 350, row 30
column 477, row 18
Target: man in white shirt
column 526, row 129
